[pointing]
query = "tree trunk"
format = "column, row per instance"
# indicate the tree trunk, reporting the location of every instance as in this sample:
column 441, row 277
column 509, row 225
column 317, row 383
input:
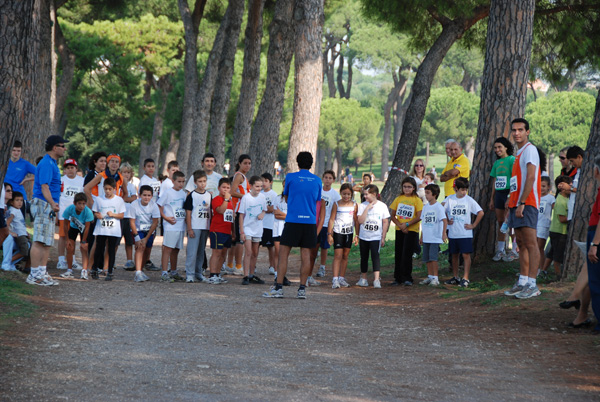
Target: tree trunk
column 328, row 69
column 204, row 99
column 468, row 83
column 503, row 94
column 67, row 59
column 171, row 154
column 54, row 64
column 222, row 94
column 469, row 150
column 399, row 116
column 349, row 84
column 452, row 30
column 320, row 162
column 337, row 163
column 427, row 154
column 191, row 23
column 329, row 164
column 265, row 133
column 308, row 24
column 399, row 87
column 250, row 77
column 551, row 157
column 586, row 196
column 152, row 149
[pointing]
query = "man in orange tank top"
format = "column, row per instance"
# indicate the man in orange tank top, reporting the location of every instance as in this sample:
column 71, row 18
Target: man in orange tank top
column 523, row 204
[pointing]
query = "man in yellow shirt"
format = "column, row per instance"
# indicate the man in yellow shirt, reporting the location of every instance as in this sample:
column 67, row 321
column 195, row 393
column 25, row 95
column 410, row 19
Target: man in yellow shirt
column 458, row 166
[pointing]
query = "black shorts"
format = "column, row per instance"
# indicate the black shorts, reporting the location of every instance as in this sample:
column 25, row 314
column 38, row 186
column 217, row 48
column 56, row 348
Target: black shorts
column 267, row 238
column 322, row 239
column 73, row 233
column 342, row 240
column 219, row 240
column 558, row 244
column 2, row 219
column 126, row 232
column 236, row 228
column 500, row 197
column 90, row 238
column 277, row 239
column 303, row 235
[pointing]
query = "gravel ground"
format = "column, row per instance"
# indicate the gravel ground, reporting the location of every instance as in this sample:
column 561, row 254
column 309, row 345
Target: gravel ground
column 100, row 341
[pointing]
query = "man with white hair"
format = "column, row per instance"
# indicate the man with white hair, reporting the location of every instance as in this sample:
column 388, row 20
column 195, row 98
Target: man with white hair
column 457, row 166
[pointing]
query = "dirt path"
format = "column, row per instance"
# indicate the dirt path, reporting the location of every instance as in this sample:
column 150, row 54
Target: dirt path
column 157, row 341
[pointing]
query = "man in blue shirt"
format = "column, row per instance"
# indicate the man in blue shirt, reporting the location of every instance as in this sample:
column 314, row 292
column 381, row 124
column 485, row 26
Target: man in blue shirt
column 44, row 206
column 19, row 171
column 302, row 191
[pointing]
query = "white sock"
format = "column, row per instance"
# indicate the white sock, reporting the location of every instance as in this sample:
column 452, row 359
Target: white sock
column 275, row 274
column 434, row 277
column 336, row 278
column 523, row 280
column 61, row 258
column 322, row 266
column 501, row 246
column 34, row 271
column 532, row 282
column 430, row 276
column 42, row 270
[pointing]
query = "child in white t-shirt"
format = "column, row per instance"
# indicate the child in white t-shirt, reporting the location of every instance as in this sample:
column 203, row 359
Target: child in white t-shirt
column 433, row 232
column 70, row 184
column 544, row 220
column 170, row 204
column 459, row 208
column 269, row 220
column 342, row 222
column 373, row 217
column 16, row 224
column 148, row 178
column 127, row 174
column 143, row 220
column 329, row 196
column 109, row 210
column 253, row 209
column 278, row 225
column 197, row 209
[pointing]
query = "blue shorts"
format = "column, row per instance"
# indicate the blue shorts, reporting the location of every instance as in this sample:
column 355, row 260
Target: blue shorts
column 430, row 252
column 500, row 197
column 529, row 219
column 460, row 246
column 322, row 239
column 219, row 240
column 143, row 235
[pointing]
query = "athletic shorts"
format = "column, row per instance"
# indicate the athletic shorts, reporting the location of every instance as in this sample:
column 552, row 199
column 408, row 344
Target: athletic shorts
column 529, row 219
column 236, row 229
column 2, row 219
column 43, row 222
column 430, row 252
column 143, row 235
column 558, row 242
column 126, row 232
column 500, row 197
column 90, row 238
column 267, row 238
column 322, row 239
column 219, row 240
column 61, row 228
column 460, row 246
column 303, row 235
column 173, row 239
column 73, row 233
column 277, row 239
column 543, row 232
column 342, row 240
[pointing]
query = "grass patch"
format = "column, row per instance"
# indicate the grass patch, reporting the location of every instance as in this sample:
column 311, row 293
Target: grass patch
column 13, row 302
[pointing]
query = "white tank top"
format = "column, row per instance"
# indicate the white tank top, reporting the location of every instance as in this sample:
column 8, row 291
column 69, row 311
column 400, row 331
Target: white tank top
column 344, row 219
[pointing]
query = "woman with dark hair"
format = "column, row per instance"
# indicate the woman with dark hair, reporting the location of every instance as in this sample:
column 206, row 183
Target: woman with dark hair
column 501, row 172
column 239, row 187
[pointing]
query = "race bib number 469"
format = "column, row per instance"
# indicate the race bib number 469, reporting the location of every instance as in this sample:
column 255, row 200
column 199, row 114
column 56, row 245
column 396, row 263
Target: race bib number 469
column 371, row 226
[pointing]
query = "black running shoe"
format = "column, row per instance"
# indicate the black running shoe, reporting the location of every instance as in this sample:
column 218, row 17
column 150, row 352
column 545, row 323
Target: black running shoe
column 453, row 281
column 94, row 273
column 286, row 281
column 256, row 280
column 109, row 277
column 246, row 281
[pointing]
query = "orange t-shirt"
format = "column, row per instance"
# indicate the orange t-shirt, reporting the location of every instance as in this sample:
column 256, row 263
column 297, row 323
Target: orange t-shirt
column 525, row 156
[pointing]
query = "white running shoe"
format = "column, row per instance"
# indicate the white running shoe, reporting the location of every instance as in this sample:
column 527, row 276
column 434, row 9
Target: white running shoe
column 343, row 283
column 362, row 282
column 500, row 255
column 425, row 281
column 312, row 282
column 84, row 274
column 68, row 274
column 321, row 271
column 434, row 282
column 62, row 265
column 335, row 284
column 76, row 266
column 273, row 293
column 271, row 271
column 377, row 284
column 129, row 265
column 49, row 280
column 238, row 271
column 140, row 277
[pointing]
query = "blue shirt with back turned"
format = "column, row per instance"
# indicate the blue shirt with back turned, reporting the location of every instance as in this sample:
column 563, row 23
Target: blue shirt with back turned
column 16, row 172
column 303, row 190
column 47, row 173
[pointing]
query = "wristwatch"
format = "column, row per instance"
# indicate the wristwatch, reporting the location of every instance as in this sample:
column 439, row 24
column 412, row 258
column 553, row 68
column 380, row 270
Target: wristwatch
column 521, row 203
column 594, row 244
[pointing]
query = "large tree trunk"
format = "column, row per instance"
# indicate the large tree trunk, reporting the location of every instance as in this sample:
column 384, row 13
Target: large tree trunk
column 191, row 23
column 265, row 133
column 586, row 195
column 421, row 88
column 204, row 100
column 152, row 149
column 67, row 59
column 308, row 24
column 397, row 91
column 171, row 154
column 250, row 77
column 399, row 116
column 503, row 94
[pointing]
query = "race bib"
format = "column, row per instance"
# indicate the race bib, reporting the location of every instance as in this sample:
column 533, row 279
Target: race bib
column 405, row 211
column 78, row 223
column 429, row 219
column 109, row 223
column 145, row 227
column 542, row 207
column 228, row 215
column 202, row 213
column 155, row 189
column 346, row 229
column 371, row 226
column 459, row 212
column 326, row 201
column 179, row 213
column 513, row 184
column 70, row 192
column 501, row 182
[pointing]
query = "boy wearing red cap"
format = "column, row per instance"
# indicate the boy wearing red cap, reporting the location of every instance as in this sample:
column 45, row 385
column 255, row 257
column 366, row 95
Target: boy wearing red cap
column 70, row 184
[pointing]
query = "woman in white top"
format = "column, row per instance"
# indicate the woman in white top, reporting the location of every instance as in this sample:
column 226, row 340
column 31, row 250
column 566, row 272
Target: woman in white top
column 418, row 173
column 340, row 232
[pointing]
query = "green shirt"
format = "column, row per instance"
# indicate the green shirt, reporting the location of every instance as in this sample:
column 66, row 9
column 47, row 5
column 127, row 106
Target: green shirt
column 560, row 208
column 502, row 170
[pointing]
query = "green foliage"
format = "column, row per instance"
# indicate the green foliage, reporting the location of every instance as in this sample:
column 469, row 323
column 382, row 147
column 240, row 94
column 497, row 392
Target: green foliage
column 459, row 61
column 562, row 119
column 347, row 125
column 77, row 11
column 451, row 112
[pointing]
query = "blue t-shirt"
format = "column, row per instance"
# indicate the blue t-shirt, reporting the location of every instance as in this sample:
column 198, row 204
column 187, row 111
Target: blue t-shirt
column 78, row 220
column 47, row 173
column 303, row 190
column 16, row 172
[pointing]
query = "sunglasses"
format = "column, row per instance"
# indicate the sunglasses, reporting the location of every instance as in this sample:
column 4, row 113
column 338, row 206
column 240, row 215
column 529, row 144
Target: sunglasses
column 562, row 158
column 8, row 191
column 419, row 165
column 60, row 146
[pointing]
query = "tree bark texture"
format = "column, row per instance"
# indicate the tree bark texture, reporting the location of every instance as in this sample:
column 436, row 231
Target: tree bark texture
column 586, row 196
column 64, row 86
column 250, row 76
column 308, row 26
column 396, row 92
column 421, row 89
column 222, row 93
column 191, row 23
column 328, row 65
column 399, row 116
column 171, row 153
column 203, row 101
column 152, row 149
column 503, row 94
column 265, row 133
